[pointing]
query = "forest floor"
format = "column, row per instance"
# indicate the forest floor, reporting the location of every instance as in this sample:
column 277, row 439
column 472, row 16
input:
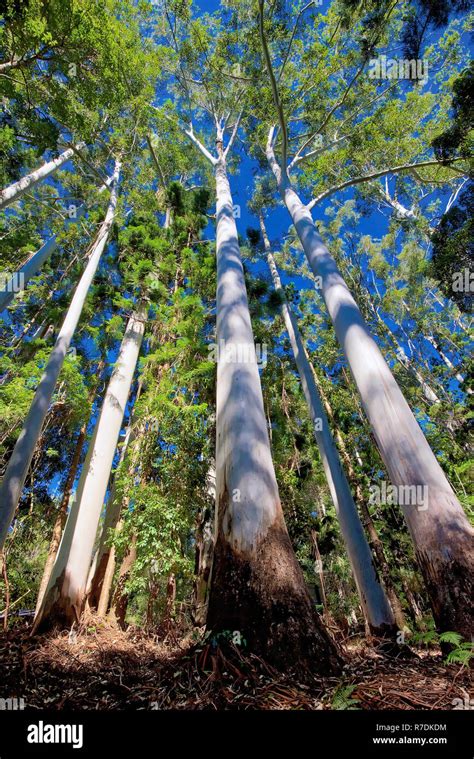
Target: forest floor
column 102, row 667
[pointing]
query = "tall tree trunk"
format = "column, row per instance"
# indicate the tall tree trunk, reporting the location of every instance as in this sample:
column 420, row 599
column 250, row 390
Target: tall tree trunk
column 441, row 533
column 65, row 596
column 61, row 517
column 257, row 587
column 118, row 611
column 375, row 605
column 203, row 555
column 367, row 521
column 32, row 266
column 17, row 469
column 14, row 191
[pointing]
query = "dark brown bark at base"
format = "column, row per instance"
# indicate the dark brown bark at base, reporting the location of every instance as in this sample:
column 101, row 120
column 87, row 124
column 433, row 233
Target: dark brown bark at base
column 59, row 610
column 120, row 599
column 450, row 586
column 264, row 597
column 97, row 581
column 202, row 567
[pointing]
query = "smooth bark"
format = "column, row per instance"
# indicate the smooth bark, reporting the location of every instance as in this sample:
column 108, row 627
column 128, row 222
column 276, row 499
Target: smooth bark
column 439, row 528
column 14, row 191
column 20, row 460
column 374, row 602
column 65, row 596
column 367, row 521
column 257, row 587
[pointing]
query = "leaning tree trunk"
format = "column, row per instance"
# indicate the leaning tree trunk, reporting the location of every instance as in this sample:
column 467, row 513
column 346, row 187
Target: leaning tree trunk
column 17, row 469
column 65, row 595
column 258, row 587
column 441, row 533
column 204, row 550
column 118, row 611
column 18, row 280
column 63, row 508
column 367, row 521
column 374, row 602
column 14, row 191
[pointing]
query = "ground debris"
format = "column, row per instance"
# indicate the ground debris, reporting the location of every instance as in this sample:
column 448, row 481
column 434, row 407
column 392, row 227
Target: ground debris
column 102, row 667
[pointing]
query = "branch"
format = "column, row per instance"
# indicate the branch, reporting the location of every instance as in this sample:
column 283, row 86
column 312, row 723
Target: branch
column 189, row 133
column 375, row 175
column 308, row 5
column 270, row 153
column 298, row 157
column 234, row 134
column 155, row 159
column 274, row 86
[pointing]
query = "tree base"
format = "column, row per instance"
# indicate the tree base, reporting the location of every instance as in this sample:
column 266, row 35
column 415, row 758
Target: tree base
column 262, row 599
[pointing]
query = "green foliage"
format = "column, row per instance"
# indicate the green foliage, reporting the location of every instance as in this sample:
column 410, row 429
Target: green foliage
column 342, row 698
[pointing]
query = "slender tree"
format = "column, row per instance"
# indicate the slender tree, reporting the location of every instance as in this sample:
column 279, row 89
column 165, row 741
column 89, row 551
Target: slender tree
column 12, row 193
column 439, row 527
column 372, row 596
column 65, row 595
column 17, row 469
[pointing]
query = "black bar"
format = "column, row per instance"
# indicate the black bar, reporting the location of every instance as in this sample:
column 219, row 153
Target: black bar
column 137, row 734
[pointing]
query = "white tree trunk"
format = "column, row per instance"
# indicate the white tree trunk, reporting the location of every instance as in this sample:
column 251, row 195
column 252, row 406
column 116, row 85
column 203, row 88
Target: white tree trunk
column 17, row 469
column 374, row 602
column 14, row 191
column 65, row 595
column 440, row 530
column 460, row 378
column 402, row 357
column 19, row 279
column 111, row 518
column 257, row 586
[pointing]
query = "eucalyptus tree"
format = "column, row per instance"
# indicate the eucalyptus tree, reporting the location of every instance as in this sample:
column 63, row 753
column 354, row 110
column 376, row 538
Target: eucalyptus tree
column 257, row 585
column 65, row 595
column 374, row 602
column 440, row 530
column 15, row 191
column 17, row 469
column 18, row 280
